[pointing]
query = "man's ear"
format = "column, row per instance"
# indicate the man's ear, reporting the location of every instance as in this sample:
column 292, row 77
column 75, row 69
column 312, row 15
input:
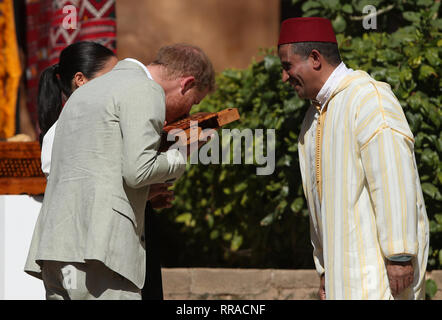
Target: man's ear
column 187, row 83
column 79, row 79
column 316, row 57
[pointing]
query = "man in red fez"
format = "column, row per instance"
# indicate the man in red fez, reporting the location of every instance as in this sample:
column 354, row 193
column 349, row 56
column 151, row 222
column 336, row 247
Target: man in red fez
column 368, row 222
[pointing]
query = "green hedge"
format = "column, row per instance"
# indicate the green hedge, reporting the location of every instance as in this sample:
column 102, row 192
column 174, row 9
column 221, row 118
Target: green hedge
column 230, row 216
column 226, row 215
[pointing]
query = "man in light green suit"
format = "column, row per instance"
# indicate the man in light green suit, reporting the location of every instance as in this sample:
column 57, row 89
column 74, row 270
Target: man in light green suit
column 88, row 242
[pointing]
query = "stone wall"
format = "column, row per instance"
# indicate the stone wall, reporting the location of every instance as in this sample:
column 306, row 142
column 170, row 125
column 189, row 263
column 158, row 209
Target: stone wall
column 245, row 284
column 231, row 32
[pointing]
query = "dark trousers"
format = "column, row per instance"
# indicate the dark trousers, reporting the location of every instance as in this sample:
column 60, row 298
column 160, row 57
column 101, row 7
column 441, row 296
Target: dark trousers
column 153, row 286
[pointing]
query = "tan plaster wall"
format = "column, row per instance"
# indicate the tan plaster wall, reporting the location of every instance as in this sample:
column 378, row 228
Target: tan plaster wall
column 231, row 32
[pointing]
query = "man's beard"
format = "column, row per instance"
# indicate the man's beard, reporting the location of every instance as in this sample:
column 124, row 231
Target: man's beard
column 172, row 108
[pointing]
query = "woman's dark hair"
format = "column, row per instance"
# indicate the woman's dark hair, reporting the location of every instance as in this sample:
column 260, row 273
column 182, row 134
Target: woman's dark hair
column 55, row 81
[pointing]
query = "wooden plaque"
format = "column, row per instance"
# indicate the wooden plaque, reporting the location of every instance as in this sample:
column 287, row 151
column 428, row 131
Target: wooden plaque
column 206, row 120
column 20, row 168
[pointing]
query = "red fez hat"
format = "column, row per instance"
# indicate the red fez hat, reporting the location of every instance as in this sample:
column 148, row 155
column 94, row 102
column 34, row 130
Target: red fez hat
column 312, row 29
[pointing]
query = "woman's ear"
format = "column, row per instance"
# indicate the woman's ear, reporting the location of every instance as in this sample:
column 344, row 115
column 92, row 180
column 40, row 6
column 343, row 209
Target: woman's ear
column 79, row 79
column 187, row 83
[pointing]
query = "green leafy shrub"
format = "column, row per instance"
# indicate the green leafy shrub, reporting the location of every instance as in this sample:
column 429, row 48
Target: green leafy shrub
column 347, row 16
column 430, row 289
column 226, row 215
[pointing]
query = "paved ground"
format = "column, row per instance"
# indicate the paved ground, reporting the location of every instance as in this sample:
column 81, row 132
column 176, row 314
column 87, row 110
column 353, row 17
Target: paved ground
column 264, row 284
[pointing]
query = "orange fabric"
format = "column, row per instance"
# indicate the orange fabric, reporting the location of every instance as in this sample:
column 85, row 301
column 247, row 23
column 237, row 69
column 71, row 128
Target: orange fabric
column 10, row 69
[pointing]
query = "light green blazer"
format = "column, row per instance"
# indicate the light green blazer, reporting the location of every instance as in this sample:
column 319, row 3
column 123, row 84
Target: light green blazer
column 104, row 157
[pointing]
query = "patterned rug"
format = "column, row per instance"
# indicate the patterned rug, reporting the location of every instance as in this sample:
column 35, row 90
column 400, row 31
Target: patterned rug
column 52, row 25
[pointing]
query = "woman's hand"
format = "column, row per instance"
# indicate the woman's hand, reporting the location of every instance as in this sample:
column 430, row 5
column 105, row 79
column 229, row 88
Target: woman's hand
column 162, row 201
column 159, row 189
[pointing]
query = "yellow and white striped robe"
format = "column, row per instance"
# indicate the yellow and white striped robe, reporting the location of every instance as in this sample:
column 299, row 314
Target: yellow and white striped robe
column 365, row 200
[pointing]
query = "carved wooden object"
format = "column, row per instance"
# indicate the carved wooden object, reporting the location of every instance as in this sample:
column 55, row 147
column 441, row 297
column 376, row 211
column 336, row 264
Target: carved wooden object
column 206, row 120
column 20, row 168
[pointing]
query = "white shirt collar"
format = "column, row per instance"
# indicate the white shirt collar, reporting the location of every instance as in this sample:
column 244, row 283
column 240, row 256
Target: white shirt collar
column 141, row 65
column 332, row 82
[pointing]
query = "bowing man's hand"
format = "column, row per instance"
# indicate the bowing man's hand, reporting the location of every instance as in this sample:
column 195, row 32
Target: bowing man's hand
column 203, row 138
column 400, row 276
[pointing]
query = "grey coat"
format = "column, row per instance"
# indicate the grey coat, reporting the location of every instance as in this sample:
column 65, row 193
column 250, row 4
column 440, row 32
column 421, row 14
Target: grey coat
column 104, row 157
